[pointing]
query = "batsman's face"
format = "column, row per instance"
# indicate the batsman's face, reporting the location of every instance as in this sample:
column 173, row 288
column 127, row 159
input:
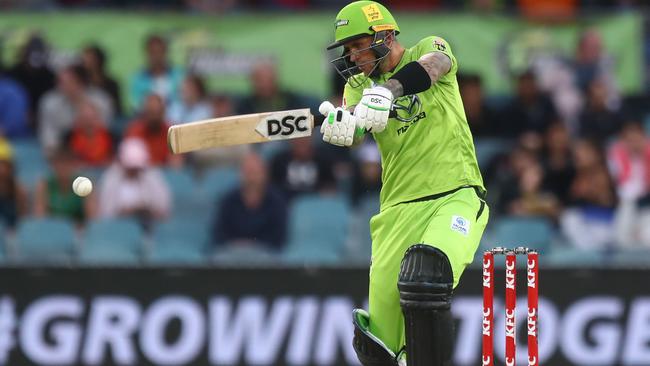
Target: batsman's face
column 360, row 53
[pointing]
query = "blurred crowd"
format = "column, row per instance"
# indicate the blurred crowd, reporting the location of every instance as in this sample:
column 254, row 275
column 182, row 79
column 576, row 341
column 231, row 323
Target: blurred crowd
column 555, row 9
column 566, row 147
column 80, row 121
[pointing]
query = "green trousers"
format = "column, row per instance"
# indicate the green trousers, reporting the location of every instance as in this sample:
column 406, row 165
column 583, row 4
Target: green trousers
column 453, row 223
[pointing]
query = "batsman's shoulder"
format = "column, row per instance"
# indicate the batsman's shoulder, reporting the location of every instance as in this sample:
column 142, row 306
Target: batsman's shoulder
column 433, row 44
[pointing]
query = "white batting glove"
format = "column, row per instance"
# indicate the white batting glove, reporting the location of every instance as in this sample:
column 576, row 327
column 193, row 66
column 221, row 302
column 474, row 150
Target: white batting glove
column 339, row 125
column 373, row 109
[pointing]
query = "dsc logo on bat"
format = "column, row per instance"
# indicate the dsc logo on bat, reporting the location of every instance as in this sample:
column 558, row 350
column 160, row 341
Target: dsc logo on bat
column 285, row 125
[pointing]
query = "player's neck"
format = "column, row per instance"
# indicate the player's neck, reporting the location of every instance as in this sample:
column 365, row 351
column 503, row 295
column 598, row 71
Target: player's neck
column 394, row 57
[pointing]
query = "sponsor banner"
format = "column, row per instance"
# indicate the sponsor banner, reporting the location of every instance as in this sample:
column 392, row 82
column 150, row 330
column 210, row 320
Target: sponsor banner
column 295, row 316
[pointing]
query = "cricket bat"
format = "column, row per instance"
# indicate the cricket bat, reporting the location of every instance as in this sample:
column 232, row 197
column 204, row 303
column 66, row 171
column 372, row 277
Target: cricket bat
column 242, row 129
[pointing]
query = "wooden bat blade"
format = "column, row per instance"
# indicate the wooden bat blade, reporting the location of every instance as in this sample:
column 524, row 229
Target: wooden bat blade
column 242, row 129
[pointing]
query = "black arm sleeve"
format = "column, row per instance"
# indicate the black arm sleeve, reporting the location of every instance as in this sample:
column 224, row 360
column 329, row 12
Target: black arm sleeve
column 413, row 77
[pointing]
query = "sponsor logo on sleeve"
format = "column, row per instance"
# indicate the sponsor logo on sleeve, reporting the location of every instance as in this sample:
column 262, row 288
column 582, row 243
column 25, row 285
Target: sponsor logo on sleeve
column 439, row 45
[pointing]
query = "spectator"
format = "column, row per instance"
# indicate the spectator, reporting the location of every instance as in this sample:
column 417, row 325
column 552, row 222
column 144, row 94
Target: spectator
column 54, row 196
column 33, row 73
column 548, row 10
column 597, row 121
column 629, row 161
column 221, row 106
column 483, row 6
column 13, row 197
column 60, row 106
column 480, row 117
column 158, row 76
column 210, row 6
column 193, row 105
column 94, row 62
column 366, row 177
column 267, row 94
column 89, row 138
column 513, row 179
column 254, row 213
column 532, row 199
column 588, row 223
column 591, row 64
column 152, row 127
column 530, row 110
column 14, row 109
column 299, row 170
column 589, row 159
column 557, row 161
column 415, row 5
column 131, row 187
column 504, row 174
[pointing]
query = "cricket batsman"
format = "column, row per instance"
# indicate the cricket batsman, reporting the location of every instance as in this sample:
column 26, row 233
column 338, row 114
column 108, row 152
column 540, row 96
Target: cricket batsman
column 433, row 211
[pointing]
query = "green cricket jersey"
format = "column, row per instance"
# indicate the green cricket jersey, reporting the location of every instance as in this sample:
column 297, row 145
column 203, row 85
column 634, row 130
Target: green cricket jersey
column 428, row 147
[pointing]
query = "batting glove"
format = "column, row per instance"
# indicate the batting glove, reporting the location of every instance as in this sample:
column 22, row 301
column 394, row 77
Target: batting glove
column 339, row 125
column 373, row 109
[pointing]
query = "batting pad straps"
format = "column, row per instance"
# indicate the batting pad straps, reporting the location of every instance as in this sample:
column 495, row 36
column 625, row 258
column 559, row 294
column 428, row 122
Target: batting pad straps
column 370, row 350
column 413, row 77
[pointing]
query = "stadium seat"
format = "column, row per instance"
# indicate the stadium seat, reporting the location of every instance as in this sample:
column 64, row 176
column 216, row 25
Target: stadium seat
column 571, row 257
column 107, row 255
column 188, row 200
column 30, row 162
column 318, row 229
column 487, row 148
column 195, row 207
column 213, row 185
column 181, row 232
column 216, row 182
column 360, row 247
column 112, row 241
column 311, row 254
column 174, row 255
column 270, row 149
column 3, row 244
column 45, row 240
column 93, row 173
column 244, row 255
column 631, row 258
column 181, row 184
column 514, row 231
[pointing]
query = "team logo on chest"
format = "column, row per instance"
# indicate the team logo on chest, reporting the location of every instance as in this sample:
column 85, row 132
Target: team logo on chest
column 409, row 110
column 407, row 107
